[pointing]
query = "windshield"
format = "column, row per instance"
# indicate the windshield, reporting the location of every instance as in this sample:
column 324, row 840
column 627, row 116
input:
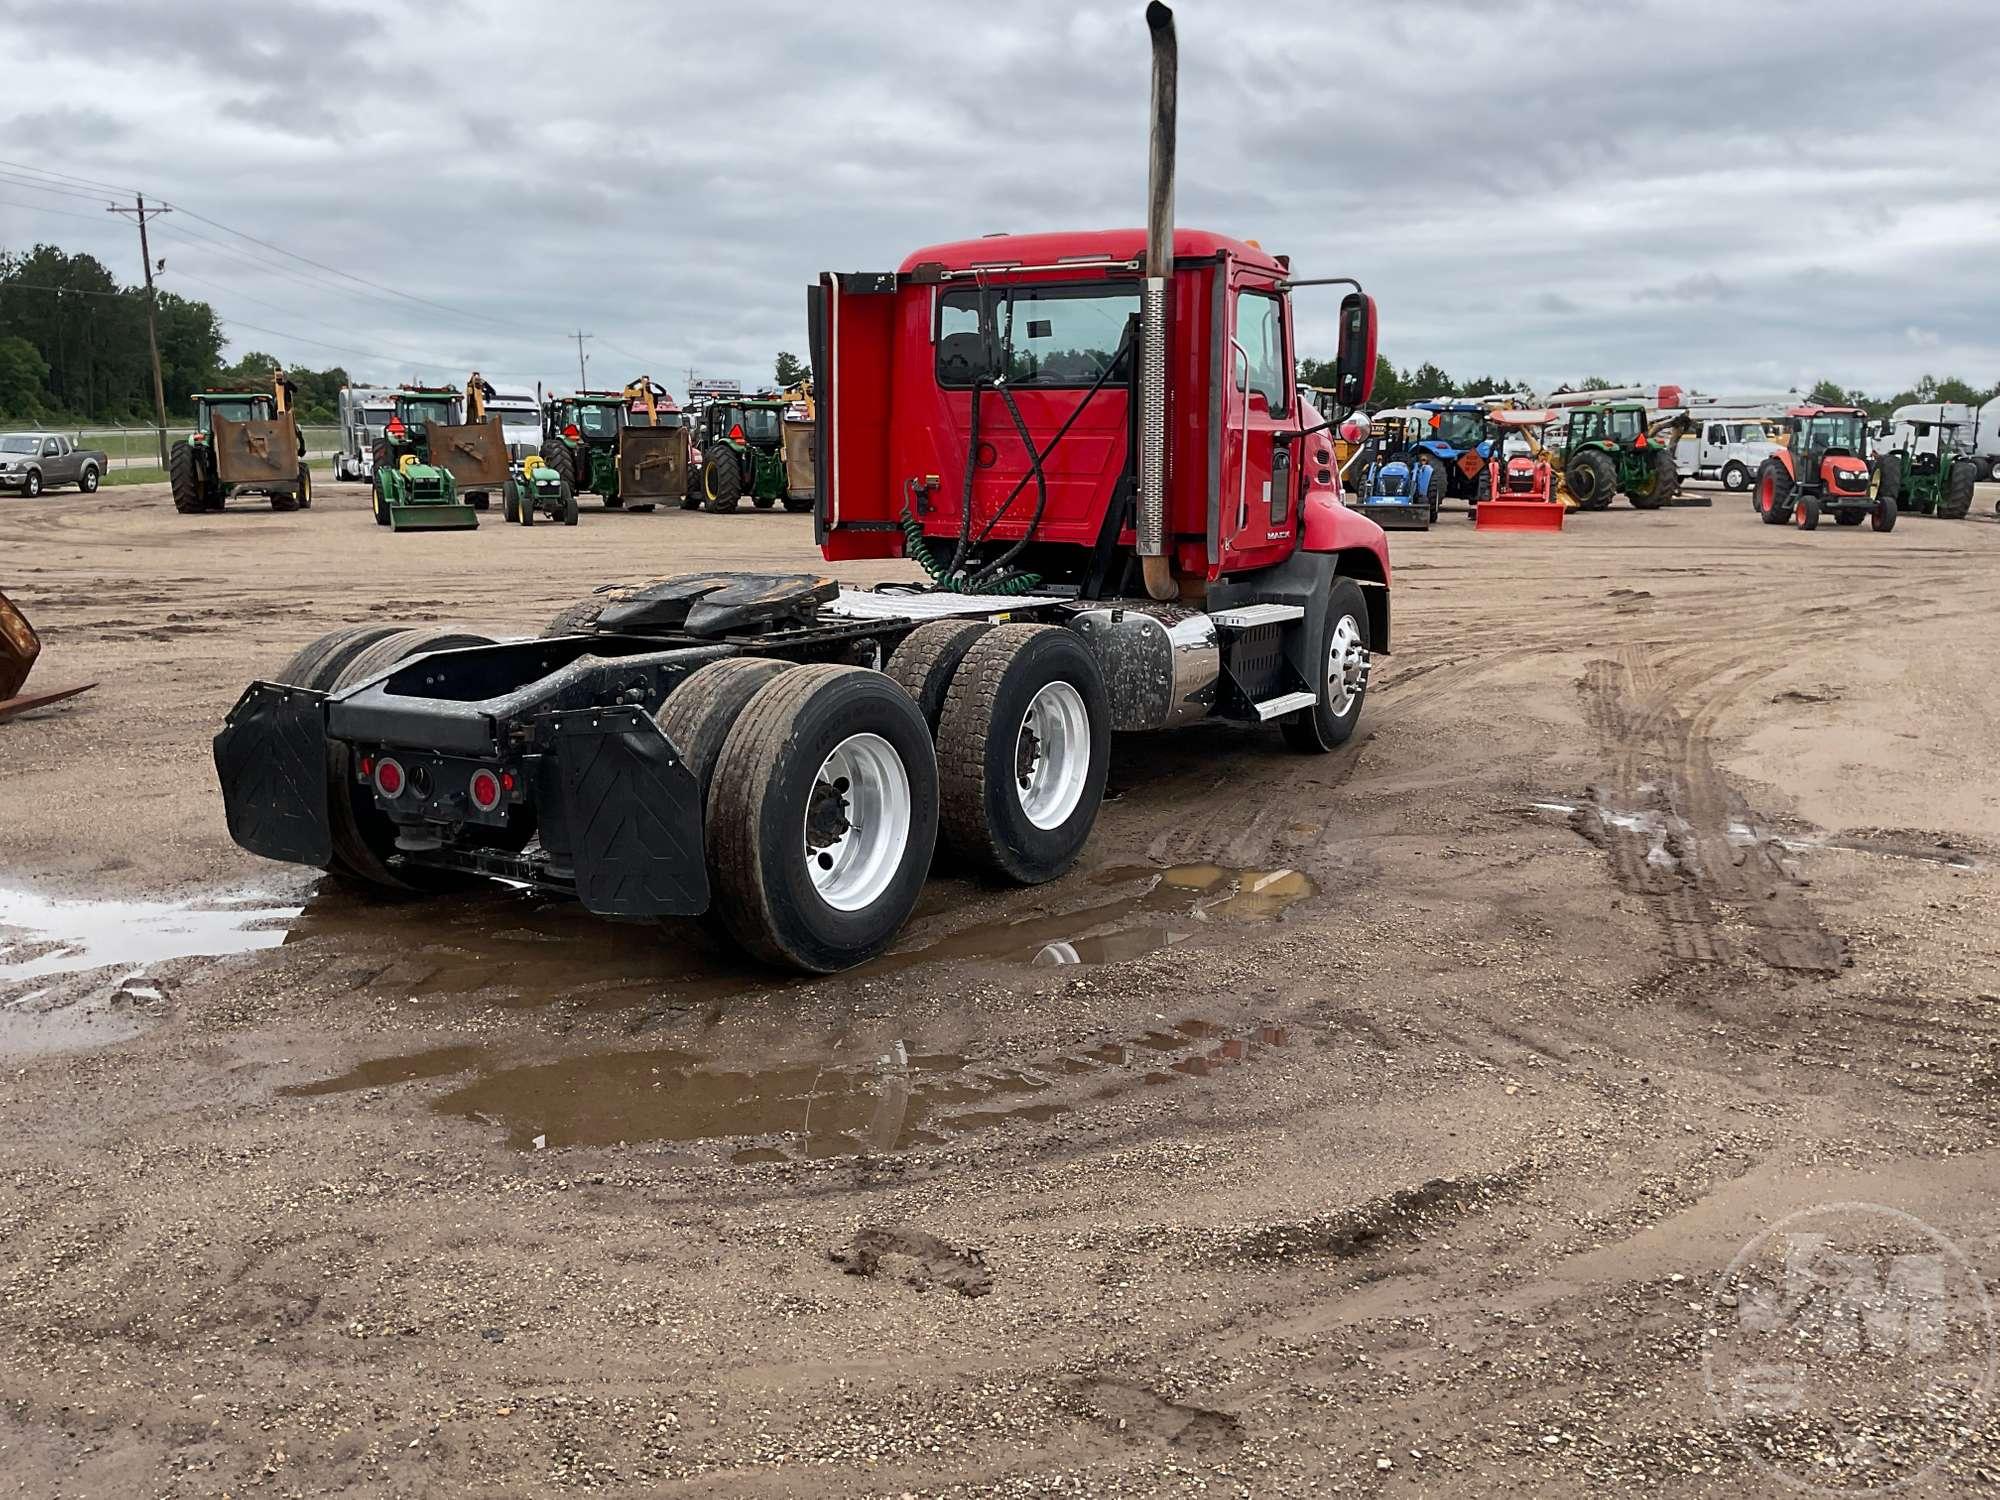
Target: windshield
column 377, row 416
column 423, row 413
column 1049, row 335
column 1831, row 432
column 760, row 424
column 515, row 416
column 596, row 421
column 1627, row 422
column 20, row 444
column 1461, row 429
column 247, row 410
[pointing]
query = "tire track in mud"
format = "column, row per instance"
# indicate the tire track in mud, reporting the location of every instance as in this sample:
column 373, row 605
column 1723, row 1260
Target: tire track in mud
column 1665, row 816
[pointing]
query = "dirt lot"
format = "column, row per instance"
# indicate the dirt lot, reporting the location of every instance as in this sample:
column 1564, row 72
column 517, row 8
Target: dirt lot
column 1389, row 1135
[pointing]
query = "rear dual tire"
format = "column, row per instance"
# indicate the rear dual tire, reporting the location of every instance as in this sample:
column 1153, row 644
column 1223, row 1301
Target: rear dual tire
column 821, row 817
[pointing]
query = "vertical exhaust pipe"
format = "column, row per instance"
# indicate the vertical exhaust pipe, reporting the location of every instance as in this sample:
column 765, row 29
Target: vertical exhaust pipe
column 1151, row 526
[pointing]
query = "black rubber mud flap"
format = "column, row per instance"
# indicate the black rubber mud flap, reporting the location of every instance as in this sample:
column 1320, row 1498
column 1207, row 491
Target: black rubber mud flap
column 634, row 813
column 271, row 760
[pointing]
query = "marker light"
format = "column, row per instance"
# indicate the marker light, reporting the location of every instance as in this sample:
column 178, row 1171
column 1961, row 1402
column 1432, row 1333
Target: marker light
column 485, row 790
column 389, row 778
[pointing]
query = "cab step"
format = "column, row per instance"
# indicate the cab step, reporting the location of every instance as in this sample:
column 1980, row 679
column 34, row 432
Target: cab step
column 1284, row 703
column 1246, row 616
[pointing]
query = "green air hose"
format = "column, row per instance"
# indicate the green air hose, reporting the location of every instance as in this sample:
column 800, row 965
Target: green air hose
column 918, row 549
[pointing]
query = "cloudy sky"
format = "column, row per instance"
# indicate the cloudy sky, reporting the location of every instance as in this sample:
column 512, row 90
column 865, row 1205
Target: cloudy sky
column 1736, row 194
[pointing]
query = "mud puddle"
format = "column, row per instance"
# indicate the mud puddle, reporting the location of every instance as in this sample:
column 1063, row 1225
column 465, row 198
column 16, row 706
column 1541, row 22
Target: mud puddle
column 801, row 1110
column 1183, row 897
column 78, row 973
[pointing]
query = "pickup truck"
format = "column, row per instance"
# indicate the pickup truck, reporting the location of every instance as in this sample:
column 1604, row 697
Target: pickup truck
column 35, row 461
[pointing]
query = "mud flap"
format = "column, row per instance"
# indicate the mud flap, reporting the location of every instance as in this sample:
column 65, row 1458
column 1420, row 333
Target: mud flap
column 634, row 816
column 271, row 758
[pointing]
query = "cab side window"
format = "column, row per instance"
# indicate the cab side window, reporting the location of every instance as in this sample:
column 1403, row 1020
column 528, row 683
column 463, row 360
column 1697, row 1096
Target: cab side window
column 1260, row 329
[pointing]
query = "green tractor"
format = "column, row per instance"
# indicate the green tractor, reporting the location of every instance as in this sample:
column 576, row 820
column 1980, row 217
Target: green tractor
column 628, row 446
column 432, row 471
column 1608, row 451
column 743, row 453
column 1931, row 474
column 244, row 442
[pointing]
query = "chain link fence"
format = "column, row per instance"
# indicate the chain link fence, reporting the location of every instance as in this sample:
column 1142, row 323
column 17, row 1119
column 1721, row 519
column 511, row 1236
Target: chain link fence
column 139, row 447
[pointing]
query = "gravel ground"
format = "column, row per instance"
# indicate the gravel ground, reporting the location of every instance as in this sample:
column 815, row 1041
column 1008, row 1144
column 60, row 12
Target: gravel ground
column 1396, row 1133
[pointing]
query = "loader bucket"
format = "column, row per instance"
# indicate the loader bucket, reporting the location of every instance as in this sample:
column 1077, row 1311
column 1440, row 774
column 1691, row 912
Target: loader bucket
column 475, row 455
column 1519, row 515
column 19, row 646
column 799, row 460
column 652, row 463
column 260, row 453
column 433, row 517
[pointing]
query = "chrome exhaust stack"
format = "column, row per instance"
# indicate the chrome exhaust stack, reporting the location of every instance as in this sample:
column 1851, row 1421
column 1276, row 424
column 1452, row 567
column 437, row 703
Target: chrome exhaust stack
column 1151, row 522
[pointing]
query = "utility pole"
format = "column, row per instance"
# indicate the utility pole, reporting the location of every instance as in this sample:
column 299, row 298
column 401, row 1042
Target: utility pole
column 582, row 380
column 142, row 213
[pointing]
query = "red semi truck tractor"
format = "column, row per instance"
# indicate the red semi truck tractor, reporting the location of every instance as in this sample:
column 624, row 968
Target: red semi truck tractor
column 1095, row 447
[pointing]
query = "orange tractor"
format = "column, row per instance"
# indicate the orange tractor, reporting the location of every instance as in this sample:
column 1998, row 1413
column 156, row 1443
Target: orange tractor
column 1823, row 469
column 1518, row 491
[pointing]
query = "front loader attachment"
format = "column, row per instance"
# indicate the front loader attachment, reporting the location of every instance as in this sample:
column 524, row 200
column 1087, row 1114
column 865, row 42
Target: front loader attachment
column 423, row 497
column 652, row 464
column 262, row 453
column 475, row 455
column 1519, row 515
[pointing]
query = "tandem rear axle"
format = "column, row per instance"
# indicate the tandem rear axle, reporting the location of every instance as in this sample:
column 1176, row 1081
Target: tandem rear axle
column 766, row 746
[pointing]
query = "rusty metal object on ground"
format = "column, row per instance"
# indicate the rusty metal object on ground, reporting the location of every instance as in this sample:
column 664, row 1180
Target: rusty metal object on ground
column 19, row 646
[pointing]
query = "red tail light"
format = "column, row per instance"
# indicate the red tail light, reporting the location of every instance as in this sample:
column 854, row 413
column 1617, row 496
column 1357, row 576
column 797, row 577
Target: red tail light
column 485, row 790
column 389, row 778
column 571, row 433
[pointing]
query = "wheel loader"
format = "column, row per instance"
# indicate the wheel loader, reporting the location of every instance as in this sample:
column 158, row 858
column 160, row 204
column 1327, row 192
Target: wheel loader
column 245, row 442
column 1089, row 443
column 629, row 446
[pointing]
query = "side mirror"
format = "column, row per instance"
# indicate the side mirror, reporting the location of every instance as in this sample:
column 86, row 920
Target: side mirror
column 1354, row 363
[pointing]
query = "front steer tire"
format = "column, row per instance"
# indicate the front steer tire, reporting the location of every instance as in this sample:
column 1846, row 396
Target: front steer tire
column 1331, row 721
column 1024, row 745
column 768, row 803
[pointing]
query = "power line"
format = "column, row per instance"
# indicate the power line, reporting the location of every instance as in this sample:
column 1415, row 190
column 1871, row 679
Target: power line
column 36, row 208
column 336, row 271
column 66, row 177
column 13, row 179
column 61, row 291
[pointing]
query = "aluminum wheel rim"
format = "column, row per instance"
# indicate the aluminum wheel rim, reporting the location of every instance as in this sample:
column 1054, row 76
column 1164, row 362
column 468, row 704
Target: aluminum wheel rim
column 857, row 822
column 1052, row 755
column 1346, row 665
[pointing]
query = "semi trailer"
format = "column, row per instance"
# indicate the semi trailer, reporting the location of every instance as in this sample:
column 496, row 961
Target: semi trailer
column 1092, row 446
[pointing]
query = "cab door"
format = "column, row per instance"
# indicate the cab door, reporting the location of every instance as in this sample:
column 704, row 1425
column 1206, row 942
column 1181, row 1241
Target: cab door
column 1259, row 486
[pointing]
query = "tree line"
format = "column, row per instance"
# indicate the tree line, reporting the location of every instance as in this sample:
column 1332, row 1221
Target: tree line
column 73, row 348
column 1427, row 382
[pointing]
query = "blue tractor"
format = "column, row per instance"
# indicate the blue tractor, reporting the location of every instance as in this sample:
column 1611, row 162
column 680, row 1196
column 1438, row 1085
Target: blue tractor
column 1457, row 445
column 1399, row 486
